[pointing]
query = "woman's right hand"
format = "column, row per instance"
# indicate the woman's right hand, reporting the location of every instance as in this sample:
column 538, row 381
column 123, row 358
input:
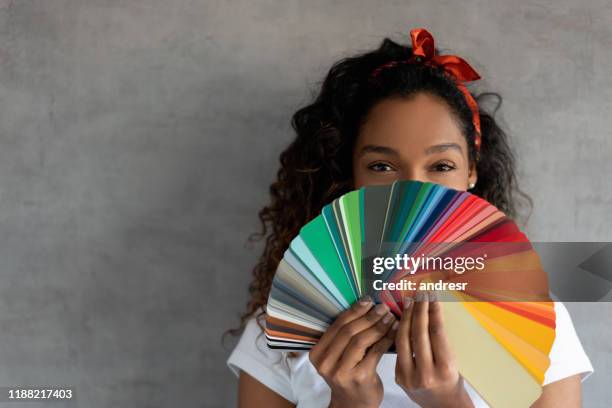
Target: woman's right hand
column 348, row 353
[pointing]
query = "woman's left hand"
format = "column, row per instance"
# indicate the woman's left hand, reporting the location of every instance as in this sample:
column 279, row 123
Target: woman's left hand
column 426, row 368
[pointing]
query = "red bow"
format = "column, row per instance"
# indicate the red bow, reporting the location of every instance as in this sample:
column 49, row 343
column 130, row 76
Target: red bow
column 423, row 49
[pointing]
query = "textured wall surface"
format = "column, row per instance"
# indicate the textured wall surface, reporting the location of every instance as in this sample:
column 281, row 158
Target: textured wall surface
column 138, row 139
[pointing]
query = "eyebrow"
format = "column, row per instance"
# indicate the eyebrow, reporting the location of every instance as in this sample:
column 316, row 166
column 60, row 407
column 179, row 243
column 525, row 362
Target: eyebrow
column 379, row 149
column 439, row 148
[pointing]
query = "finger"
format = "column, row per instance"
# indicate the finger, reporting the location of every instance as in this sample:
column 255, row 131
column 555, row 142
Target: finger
column 357, row 310
column 359, row 344
column 420, row 334
column 378, row 349
column 440, row 344
column 343, row 335
column 402, row 337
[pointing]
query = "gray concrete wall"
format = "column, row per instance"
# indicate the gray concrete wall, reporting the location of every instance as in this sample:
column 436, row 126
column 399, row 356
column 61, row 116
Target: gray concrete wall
column 138, row 138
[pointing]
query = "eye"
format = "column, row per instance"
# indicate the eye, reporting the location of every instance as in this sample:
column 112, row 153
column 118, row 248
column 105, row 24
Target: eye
column 443, row 167
column 380, row 167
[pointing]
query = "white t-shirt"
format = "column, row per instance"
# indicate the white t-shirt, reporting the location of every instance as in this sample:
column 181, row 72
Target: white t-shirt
column 297, row 380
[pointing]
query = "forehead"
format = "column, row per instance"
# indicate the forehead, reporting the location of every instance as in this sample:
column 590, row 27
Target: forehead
column 410, row 123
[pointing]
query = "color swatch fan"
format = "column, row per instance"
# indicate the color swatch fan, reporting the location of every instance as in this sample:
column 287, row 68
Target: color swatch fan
column 501, row 324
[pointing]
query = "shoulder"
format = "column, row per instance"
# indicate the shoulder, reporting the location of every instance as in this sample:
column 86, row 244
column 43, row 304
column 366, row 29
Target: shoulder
column 253, row 356
column 567, row 356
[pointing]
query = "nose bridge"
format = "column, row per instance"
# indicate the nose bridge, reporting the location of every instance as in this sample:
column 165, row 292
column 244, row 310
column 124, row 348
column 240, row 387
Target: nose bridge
column 411, row 172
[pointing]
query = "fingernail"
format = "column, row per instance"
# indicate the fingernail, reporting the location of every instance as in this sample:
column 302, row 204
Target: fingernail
column 419, row 296
column 407, row 302
column 433, row 296
column 387, row 318
column 381, row 309
column 395, row 324
column 365, row 300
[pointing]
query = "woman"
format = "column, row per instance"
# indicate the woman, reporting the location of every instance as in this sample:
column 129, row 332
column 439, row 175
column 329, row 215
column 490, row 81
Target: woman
column 393, row 113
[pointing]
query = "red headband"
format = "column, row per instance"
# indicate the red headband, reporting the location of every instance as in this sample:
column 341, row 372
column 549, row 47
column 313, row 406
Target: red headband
column 423, row 50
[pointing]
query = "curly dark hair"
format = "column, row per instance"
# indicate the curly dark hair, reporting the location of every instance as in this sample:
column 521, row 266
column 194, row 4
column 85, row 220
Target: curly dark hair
column 316, row 167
